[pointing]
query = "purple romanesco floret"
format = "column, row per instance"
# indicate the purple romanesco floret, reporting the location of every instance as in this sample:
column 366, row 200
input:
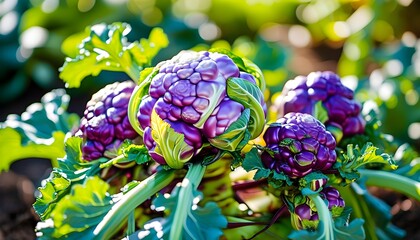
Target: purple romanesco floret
column 297, row 145
column 189, row 92
column 302, row 93
column 104, row 125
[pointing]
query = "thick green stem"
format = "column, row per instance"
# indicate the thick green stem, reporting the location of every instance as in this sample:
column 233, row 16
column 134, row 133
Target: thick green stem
column 396, row 182
column 324, row 214
column 354, row 197
column 131, row 224
column 185, row 199
column 131, row 200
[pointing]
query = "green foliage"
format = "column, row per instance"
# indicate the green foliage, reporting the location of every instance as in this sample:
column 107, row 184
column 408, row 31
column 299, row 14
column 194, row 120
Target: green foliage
column 78, row 212
column 252, row 161
column 320, row 112
column 71, row 170
column 203, row 222
column 248, row 95
column 106, row 49
column 38, row 132
column 55, row 188
column 169, row 144
column 354, row 158
column 236, row 135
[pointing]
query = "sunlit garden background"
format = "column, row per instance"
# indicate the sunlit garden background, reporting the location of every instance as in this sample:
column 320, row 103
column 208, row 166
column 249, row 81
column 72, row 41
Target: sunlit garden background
column 373, row 45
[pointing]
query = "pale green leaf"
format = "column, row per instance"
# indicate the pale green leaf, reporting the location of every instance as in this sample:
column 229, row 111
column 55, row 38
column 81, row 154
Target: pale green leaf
column 106, row 48
column 169, row 144
column 79, row 212
column 235, row 135
column 250, row 96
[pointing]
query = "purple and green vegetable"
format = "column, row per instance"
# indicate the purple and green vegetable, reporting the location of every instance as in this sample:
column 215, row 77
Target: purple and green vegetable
column 184, row 150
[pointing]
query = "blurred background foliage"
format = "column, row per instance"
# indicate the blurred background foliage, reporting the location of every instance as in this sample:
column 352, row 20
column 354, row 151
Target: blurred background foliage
column 373, row 45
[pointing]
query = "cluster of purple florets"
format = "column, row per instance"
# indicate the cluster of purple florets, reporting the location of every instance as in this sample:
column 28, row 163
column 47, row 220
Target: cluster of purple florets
column 304, row 92
column 189, row 92
column 298, row 144
column 105, row 124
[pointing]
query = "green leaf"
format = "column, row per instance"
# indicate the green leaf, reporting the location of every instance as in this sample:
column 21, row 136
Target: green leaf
column 72, row 169
column 169, row 144
column 349, row 162
column 55, row 188
column 250, row 96
column 320, row 112
column 236, row 135
column 311, row 179
column 203, row 222
column 10, row 139
column 137, row 153
column 252, row 161
column 72, row 164
column 79, row 212
column 38, row 132
column 106, row 48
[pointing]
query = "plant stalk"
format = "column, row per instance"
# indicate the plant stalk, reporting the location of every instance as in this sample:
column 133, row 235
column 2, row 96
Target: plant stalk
column 185, row 199
column 131, row 200
column 396, row 182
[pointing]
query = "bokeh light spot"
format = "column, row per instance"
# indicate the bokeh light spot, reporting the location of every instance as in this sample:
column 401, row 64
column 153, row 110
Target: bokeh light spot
column 8, row 22
column 34, row 37
column 412, row 97
column 394, row 67
column 299, row 36
column 209, row 31
column 414, row 130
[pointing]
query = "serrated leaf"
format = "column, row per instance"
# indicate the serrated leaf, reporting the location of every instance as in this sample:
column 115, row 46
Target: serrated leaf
column 204, row 222
column 37, row 132
column 106, row 48
column 249, row 95
column 169, row 144
column 79, row 212
column 72, row 164
column 55, row 187
column 235, row 136
column 137, row 153
column 72, row 169
column 252, row 161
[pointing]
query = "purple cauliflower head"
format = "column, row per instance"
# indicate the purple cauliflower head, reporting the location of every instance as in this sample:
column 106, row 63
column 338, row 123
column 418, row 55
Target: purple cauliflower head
column 305, row 214
column 304, row 92
column 104, row 125
column 204, row 97
column 298, row 144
